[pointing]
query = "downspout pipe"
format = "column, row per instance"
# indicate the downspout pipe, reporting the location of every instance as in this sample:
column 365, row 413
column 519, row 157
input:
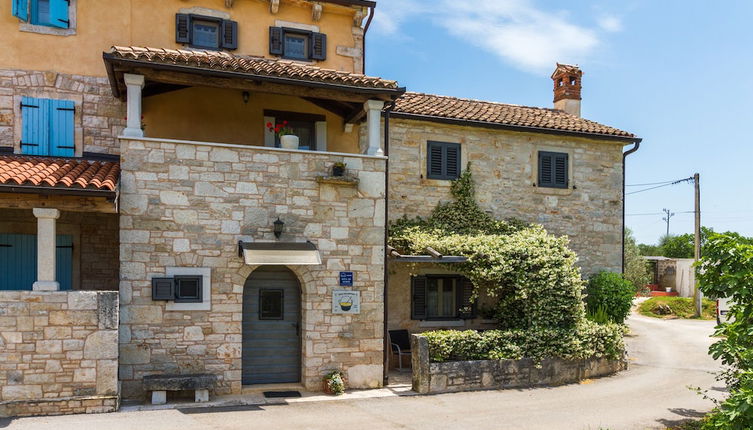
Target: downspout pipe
column 636, row 145
column 386, row 347
column 365, row 30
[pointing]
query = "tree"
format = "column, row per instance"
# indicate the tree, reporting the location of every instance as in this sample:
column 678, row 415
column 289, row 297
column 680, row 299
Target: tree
column 678, row 246
column 649, row 250
column 636, row 269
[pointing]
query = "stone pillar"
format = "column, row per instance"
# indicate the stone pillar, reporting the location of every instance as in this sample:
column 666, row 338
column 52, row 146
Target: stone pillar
column 46, row 249
column 420, row 364
column 134, row 83
column 373, row 124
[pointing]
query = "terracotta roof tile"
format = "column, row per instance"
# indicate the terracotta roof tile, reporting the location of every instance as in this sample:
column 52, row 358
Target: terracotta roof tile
column 429, row 105
column 216, row 60
column 59, row 172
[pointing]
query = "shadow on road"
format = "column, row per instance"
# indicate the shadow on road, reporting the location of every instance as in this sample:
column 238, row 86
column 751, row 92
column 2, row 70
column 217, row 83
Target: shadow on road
column 687, row 414
column 220, row 409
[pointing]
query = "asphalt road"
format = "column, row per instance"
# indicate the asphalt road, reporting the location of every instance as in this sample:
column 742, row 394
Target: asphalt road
column 666, row 356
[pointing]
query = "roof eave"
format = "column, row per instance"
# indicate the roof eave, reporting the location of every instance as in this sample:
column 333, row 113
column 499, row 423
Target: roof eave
column 519, row 128
column 111, row 59
column 80, row 192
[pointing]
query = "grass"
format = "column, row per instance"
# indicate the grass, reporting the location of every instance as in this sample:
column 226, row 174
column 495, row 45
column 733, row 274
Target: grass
column 681, row 307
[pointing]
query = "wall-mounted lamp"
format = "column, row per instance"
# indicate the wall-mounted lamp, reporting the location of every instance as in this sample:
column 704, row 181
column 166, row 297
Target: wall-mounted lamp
column 246, row 96
column 278, row 227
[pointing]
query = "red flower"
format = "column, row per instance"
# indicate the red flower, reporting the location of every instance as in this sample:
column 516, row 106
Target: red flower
column 284, row 123
column 269, row 125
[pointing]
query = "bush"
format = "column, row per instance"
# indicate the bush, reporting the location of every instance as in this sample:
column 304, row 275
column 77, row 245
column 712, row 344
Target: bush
column 589, row 340
column 612, row 292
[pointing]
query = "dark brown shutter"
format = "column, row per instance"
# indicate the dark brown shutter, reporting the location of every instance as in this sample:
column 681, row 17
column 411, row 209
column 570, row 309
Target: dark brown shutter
column 466, row 304
column 434, row 160
column 163, row 289
column 182, row 28
column 418, row 297
column 546, row 176
column 452, row 161
column 318, row 46
column 275, row 41
column 560, row 170
column 229, row 34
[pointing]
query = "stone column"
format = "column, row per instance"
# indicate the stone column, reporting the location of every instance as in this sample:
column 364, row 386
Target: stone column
column 373, row 124
column 134, row 83
column 420, row 363
column 46, row 249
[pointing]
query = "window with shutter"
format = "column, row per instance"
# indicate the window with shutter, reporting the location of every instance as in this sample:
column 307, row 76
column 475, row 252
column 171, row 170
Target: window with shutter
column 318, row 46
column 50, row 13
column 188, row 289
column 443, row 160
column 418, row 297
column 229, row 34
column 206, row 32
column 182, row 28
column 553, row 169
column 47, row 127
column 163, row 289
column 275, row 40
column 297, row 44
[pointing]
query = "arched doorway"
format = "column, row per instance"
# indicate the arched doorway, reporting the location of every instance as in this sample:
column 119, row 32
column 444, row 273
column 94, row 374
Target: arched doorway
column 271, row 327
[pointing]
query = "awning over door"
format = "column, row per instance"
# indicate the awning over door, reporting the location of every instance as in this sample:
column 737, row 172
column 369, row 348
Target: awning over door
column 279, row 253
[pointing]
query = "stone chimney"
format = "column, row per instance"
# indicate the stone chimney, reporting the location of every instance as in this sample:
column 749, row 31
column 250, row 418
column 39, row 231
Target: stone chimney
column 567, row 88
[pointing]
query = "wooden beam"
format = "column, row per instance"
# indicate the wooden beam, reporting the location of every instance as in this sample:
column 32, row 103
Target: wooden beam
column 434, row 253
column 430, row 259
column 64, row 203
column 154, row 89
column 336, row 107
column 356, row 116
column 248, row 83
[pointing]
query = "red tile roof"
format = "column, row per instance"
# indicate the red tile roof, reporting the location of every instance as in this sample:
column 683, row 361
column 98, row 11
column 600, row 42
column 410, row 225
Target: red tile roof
column 257, row 66
column 70, row 173
column 477, row 111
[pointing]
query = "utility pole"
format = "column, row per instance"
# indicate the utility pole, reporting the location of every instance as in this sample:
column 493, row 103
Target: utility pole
column 697, row 292
column 670, row 214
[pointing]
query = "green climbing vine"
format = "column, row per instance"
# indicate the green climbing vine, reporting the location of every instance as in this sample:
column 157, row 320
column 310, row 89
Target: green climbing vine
column 530, row 273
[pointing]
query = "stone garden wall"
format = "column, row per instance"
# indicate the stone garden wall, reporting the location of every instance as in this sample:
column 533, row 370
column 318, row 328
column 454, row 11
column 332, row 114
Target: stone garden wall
column 454, row 376
column 98, row 119
column 504, row 168
column 187, row 204
column 58, row 352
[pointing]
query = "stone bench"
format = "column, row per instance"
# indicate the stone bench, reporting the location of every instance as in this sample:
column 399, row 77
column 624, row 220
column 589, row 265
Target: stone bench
column 159, row 385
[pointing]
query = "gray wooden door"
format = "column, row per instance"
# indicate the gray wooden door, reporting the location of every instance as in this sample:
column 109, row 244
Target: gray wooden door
column 271, row 327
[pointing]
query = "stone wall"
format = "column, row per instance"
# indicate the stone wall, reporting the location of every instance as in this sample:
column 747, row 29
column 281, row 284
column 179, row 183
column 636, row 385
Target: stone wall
column 99, row 117
column 96, row 261
column 504, row 167
column 187, row 204
column 455, row 376
column 58, row 352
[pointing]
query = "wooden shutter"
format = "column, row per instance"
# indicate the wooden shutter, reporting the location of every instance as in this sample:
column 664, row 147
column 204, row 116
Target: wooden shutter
column 35, row 126
column 229, row 34
column 560, row 170
column 546, row 177
column 466, row 304
column 64, row 261
column 275, row 40
column 418, row 297
column 20, row 10
column 61, row 128
column 182, row 28
column 318, row 46
column 452, row 161
column 59, row 13
column 435, row 161
column 163, row 289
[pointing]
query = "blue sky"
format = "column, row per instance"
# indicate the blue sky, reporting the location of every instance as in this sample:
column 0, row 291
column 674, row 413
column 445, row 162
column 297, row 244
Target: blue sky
column 679, row 74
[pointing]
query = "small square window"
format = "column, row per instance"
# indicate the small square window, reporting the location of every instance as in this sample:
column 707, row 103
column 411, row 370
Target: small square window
column 188, row 289
column 205, row 34
column 553, row 170
column 271, row 304
column 296, row 46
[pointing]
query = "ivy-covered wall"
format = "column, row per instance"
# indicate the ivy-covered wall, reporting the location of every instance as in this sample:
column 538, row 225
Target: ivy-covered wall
column 589, row 212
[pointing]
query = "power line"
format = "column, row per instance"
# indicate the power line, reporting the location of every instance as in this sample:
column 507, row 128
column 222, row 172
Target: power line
column 650, row 183
column 660, row 186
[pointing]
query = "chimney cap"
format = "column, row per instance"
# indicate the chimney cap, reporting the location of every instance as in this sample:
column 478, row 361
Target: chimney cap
column 567, row 68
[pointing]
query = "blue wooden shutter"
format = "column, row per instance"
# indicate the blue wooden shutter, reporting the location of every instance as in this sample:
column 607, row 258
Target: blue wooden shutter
column 318, row 46
column 182, row 28
column 18, row 261
column 275, row 40
column 21, row 10
column 64, row 264
column 35, row 126
column 229, row 34
column 418, row 297
column 61, row 128
column 59, row 13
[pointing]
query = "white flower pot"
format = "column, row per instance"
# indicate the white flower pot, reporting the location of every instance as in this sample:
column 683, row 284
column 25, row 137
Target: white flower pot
column 668, row 289
column 289, row 141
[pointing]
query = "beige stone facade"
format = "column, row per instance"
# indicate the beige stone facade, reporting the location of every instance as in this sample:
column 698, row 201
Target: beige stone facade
column 187, row 204
column 58, row 352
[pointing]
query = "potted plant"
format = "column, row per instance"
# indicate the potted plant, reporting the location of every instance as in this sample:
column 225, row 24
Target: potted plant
column 287, row 139
column 334, row 383
column 338, row 169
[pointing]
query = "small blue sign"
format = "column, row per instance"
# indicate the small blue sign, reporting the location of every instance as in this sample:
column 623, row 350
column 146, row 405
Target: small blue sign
column 346, row 279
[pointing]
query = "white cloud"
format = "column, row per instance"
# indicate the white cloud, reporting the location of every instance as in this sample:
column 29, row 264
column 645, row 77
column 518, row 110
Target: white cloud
column 516, row 31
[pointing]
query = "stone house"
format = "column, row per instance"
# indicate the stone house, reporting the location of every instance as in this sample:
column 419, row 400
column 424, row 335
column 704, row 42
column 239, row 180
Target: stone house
column 152, row 223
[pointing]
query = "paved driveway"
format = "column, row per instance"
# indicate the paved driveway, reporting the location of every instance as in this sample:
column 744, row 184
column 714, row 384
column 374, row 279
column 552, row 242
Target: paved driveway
column 666, row 356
